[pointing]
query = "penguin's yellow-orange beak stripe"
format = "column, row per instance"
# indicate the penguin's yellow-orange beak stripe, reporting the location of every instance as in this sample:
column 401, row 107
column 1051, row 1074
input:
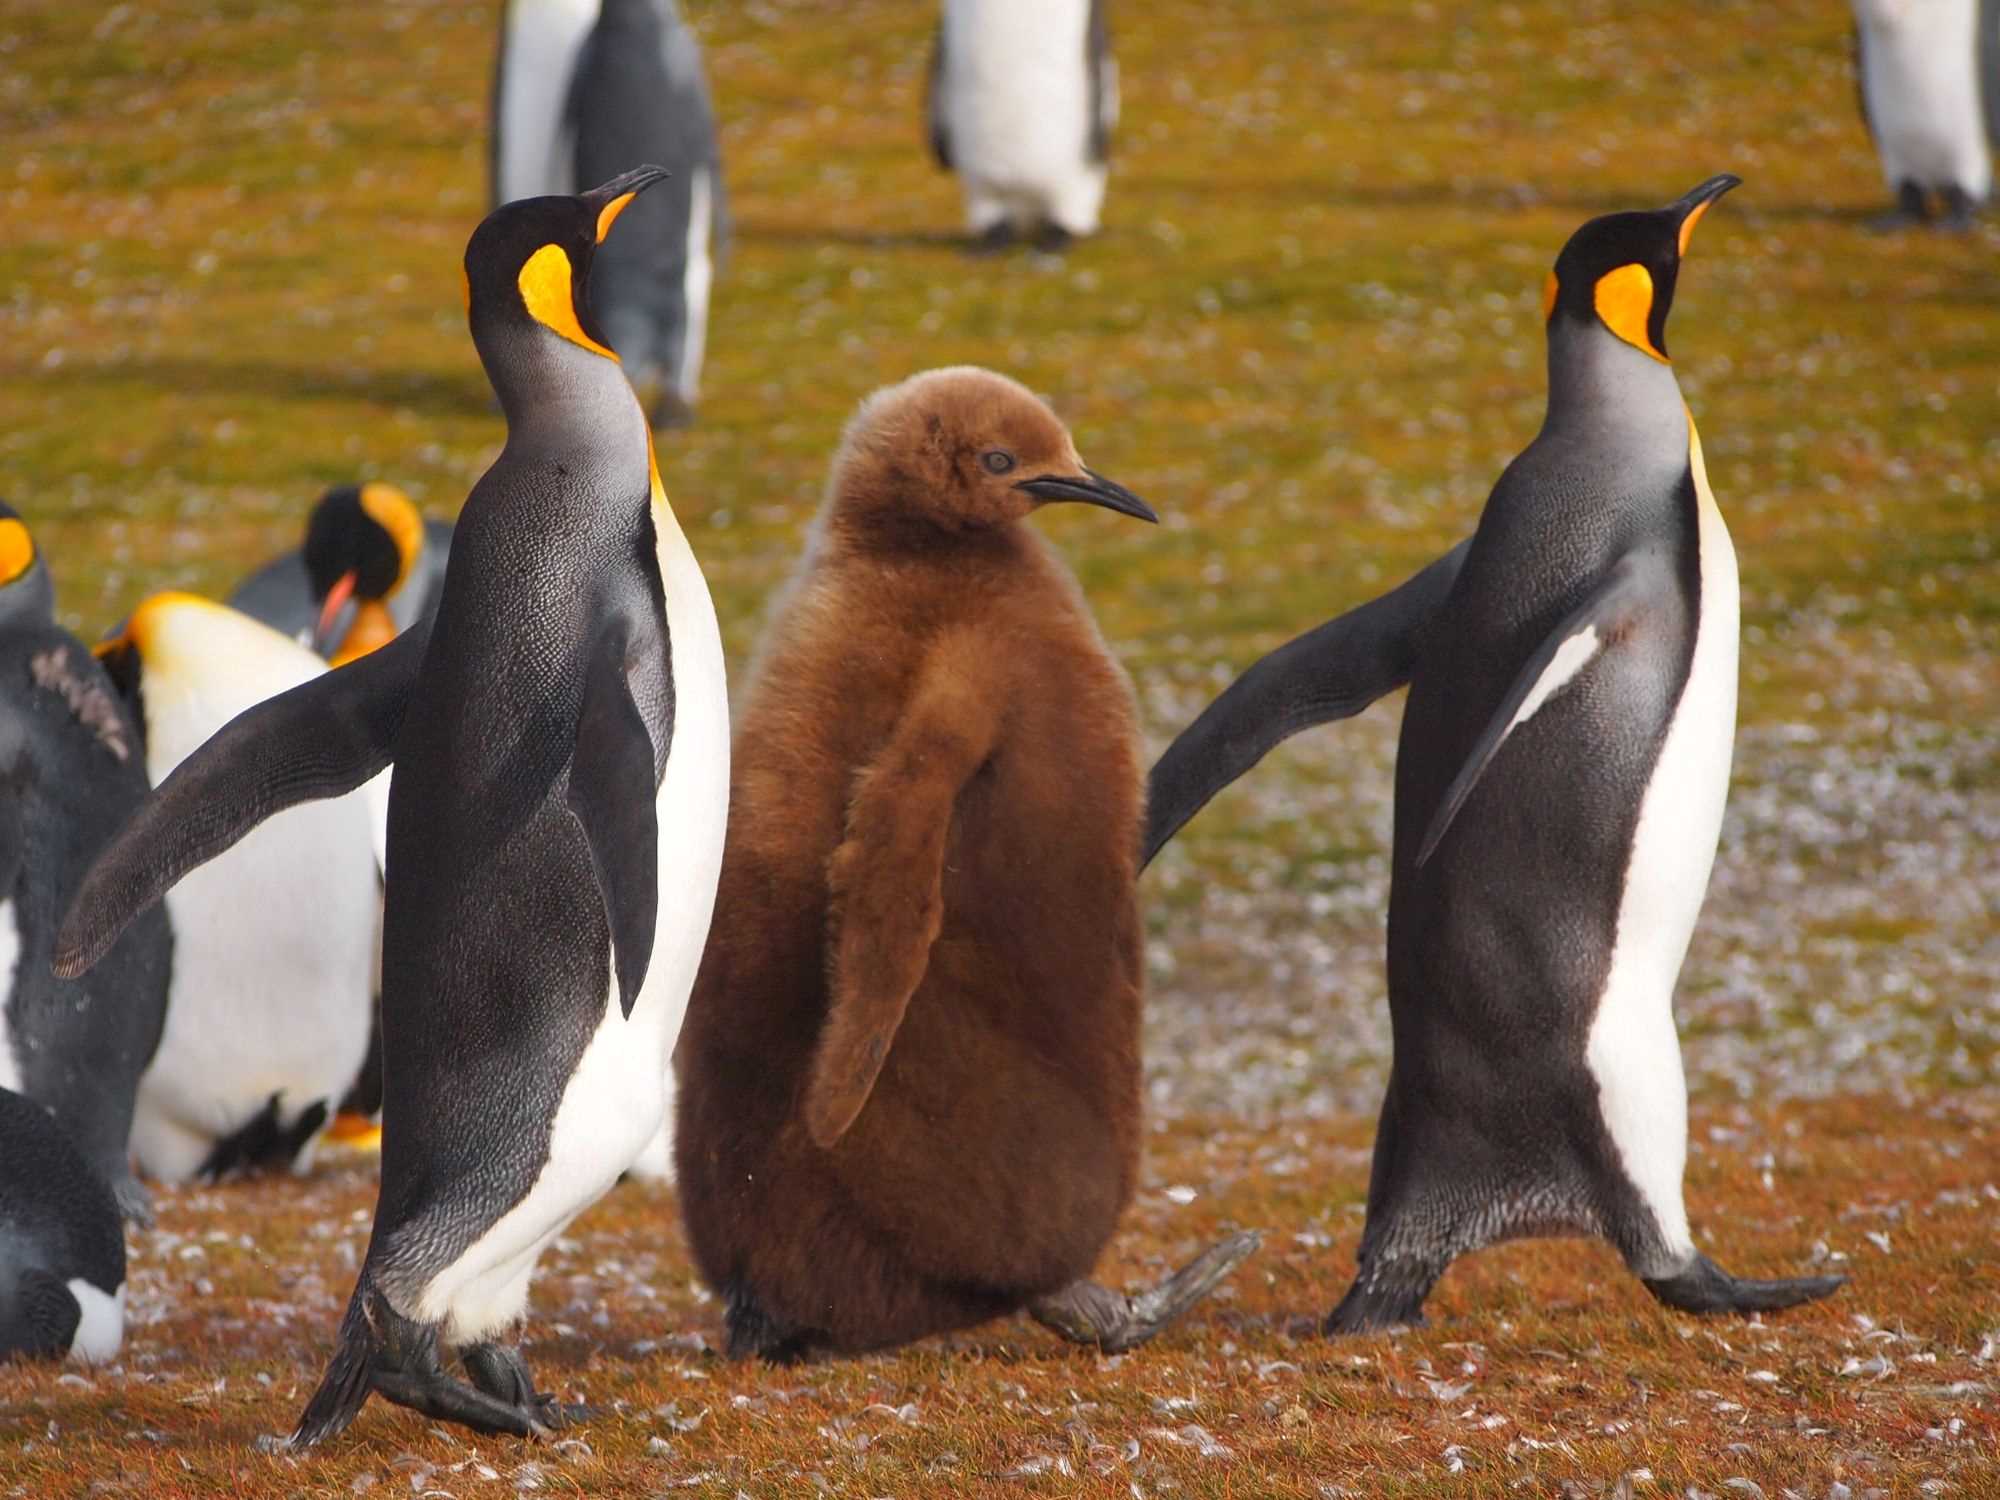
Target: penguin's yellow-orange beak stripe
column 17, row 550
column 1687, row 224
column 608, row 215
column 1624, row 299
column 547, row 291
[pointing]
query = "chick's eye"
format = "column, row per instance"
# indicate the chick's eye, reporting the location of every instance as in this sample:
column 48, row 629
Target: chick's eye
column 997, row 460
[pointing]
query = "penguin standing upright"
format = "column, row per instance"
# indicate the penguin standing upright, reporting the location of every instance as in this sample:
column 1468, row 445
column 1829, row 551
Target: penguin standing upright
column 1930, row 96
column 531, row 152
column 1023, row 100
column 560, row 737
column 639, row 95
column 268, row 1013
column 62, row 1251
column 909, row 1080
column 71, row 771
column 1560, row 781
column 370, row 567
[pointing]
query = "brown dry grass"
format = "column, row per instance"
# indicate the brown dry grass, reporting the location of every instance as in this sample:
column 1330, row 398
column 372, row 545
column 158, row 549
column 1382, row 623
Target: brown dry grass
column 1545, row 1364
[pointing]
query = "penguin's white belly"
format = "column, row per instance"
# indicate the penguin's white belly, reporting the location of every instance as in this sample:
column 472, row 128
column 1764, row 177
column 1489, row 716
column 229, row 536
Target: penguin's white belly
column 1017, row 101
column 617, row 1101
column 532, row 149
column 274, row 946
column 10, row 963
column 1919, row 73
column 1633, row 1048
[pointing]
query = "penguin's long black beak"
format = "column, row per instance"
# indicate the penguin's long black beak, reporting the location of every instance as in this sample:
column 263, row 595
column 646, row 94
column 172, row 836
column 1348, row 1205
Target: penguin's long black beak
column 1092, row 489
column 609, row 199
column 1691, row 205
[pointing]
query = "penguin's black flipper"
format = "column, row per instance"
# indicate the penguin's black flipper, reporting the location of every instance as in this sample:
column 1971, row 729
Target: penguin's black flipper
column 1604, row 618
column 1332, row 672
column 611, row 791
column 1705, row 1287
column 321, row 739
column 934, row 109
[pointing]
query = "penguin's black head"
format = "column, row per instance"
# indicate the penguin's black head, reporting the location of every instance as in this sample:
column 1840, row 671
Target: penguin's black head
column 527, row 265
column 362, row 542
column 1619, row 271
column 963, row 450
column 26, row 594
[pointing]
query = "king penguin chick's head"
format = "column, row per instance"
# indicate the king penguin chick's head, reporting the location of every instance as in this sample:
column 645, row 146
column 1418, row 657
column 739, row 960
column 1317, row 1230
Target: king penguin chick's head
column 27, row 597
column 527, row 293
column 957, row 453
column 363, row 541
column 1616, row 275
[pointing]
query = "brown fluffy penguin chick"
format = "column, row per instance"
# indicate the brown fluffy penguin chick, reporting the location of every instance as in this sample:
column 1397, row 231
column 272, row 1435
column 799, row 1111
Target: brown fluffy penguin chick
column 909, row 1074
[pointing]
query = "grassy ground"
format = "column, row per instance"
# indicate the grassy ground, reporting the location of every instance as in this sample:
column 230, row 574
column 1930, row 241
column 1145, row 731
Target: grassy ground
column 228, row 278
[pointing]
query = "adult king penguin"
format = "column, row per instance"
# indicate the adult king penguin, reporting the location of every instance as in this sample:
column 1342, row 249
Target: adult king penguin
column 1559, row 790
column 639, row 96
column 909, row 1081
column 62, row 1252
column 371, row 566
column 1023, row 100
column 71, row 771
column 561, row 745
column 1930, row 96
column 274, row 942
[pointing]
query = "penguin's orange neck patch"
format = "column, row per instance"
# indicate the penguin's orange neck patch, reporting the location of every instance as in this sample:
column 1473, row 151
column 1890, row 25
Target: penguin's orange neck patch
column 548, row 292
column 1551, row 289
column 17, row 550
column 389, row 508
column 1624, row 299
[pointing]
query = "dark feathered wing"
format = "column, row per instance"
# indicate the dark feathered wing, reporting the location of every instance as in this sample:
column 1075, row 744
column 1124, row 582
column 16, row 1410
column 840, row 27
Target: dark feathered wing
column 323, row 738
column 1332, row 672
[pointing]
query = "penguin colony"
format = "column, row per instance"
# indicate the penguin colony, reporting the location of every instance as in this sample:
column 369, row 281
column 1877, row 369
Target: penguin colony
column 937, row 756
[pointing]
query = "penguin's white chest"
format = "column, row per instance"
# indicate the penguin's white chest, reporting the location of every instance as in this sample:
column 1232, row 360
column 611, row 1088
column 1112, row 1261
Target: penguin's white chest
column 1633, row 1048
column 10, row 964
column 1017, row 99
column 618, row 1099
column 1920, row 77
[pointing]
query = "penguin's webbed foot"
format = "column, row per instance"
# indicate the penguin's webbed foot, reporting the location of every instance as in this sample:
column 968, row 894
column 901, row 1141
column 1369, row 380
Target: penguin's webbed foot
column 751, row 1332
column 1053, row 239
column 1961, row 210
column 1704, row 1287
column 1087, row 1313
column 436, row 1394
column 1386, row 1294
column 135, row 1204
column 1911, row 210
column 993, row 239
column 500, row 1372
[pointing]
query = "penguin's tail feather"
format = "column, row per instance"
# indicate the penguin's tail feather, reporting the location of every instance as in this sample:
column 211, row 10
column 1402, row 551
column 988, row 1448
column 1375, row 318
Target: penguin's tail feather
column 345, row 1386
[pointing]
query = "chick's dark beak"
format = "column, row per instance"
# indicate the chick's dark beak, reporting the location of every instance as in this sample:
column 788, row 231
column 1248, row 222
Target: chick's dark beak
column 1092, row 489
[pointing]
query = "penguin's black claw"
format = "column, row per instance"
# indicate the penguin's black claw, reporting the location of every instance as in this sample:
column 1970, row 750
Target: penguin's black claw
column 1705, row 1287
column 993, row 239
column 1053, row 239
column 500, row 1372
column 1086, row 1313
column 436, row 1394
column 1389, row 1295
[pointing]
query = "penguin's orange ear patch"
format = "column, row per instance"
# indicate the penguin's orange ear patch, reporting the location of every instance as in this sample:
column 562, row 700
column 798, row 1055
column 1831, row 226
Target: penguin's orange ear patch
column 17, row 550
column 608, row 215
column 1624, row 301
column 548, row 292
column 1550, row 290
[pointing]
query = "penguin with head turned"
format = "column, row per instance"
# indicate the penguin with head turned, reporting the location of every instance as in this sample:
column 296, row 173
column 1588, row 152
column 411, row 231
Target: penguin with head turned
column 268, row 1012
column 370, row 566
column 62, row 1250
column 1560, row 780
column 1929, row 76
column 909, row 1080
column 559, row 732
column 72, row 769
column 1023, row 99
